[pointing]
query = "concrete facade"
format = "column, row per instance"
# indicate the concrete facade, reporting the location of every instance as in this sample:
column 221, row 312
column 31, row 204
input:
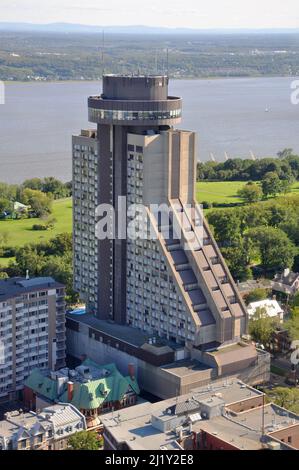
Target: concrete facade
column 159, row 284
column 163, row 369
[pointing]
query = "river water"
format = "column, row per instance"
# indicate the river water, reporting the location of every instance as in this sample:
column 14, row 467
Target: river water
column 236, row 116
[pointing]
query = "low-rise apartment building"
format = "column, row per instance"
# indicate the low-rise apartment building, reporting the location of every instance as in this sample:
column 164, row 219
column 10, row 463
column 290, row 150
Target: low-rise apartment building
column 47, row 430
column 286, row 282
column 32, row 330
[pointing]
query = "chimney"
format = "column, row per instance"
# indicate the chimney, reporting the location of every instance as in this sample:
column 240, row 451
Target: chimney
column 131, row 370
column 70, row 391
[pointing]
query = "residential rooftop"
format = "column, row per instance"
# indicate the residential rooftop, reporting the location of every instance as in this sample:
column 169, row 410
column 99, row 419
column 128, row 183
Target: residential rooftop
column 230, row 432
column 134, row 425
column 16, row 286
column 275, row 418
column 245, row 430
column 51, row 418
column 93, row 384
column 287, row 277
column 270, row 306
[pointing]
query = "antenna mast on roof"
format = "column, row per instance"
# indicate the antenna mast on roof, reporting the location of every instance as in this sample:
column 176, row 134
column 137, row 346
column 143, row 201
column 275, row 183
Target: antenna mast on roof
column 103, row 57
column 167, row 61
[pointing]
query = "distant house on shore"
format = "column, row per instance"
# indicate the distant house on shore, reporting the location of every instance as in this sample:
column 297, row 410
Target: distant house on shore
column 20, row 208
column 269, row 306
column 286, row 282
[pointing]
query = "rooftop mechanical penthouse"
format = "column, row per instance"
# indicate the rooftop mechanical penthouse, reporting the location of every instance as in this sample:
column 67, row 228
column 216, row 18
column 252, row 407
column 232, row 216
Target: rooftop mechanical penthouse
column 156, row 286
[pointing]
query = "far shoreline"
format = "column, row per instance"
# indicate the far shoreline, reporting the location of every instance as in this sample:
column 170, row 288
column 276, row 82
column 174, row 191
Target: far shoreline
column 251, row 77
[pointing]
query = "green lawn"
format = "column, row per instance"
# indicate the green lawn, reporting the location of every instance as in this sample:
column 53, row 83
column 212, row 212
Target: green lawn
column 19, row 232
column 225, row 192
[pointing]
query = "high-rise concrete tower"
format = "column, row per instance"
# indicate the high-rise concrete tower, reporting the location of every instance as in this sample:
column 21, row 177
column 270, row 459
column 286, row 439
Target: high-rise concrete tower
column 154, row 284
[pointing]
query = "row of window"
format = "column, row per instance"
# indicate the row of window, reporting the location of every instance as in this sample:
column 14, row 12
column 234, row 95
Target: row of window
column 131, row 148
column 117, row 115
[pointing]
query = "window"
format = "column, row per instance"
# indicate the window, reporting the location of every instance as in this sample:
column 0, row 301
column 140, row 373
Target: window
column 23, row 443
column 101, row 114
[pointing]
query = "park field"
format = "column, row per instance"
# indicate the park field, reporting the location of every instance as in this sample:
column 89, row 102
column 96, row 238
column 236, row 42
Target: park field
column 225, row 192
column 19, row 232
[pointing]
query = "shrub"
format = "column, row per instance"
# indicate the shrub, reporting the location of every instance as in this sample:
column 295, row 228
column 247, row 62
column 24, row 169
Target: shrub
column 207, row 205
column 39, row 227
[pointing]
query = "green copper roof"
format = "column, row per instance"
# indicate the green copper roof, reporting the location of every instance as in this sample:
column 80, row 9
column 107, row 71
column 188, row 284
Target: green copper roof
column 89, row 395
column 42, row 385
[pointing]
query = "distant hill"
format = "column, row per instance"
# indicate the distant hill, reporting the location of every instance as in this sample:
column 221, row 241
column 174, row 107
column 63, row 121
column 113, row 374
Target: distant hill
column 133, row 29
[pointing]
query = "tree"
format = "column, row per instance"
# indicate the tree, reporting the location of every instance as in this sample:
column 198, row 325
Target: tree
column 293, row 162
column 285, row 153
column 61, row 244
column 238, row 260
column 8, row 191
column 285, row 397
column 285, row 186
column 33, row 183
column 227, row 226
column 61, row 269
column 295, row 301
column 28, row 257
column 5, row 205
column 271, row 184
column 292, row 327
column 262, row 327
column 84, row 440
column 256, row 294
column 275, row 248
column 56, row 187
column 53, row 258
column 250, row 193
column 39, row 202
